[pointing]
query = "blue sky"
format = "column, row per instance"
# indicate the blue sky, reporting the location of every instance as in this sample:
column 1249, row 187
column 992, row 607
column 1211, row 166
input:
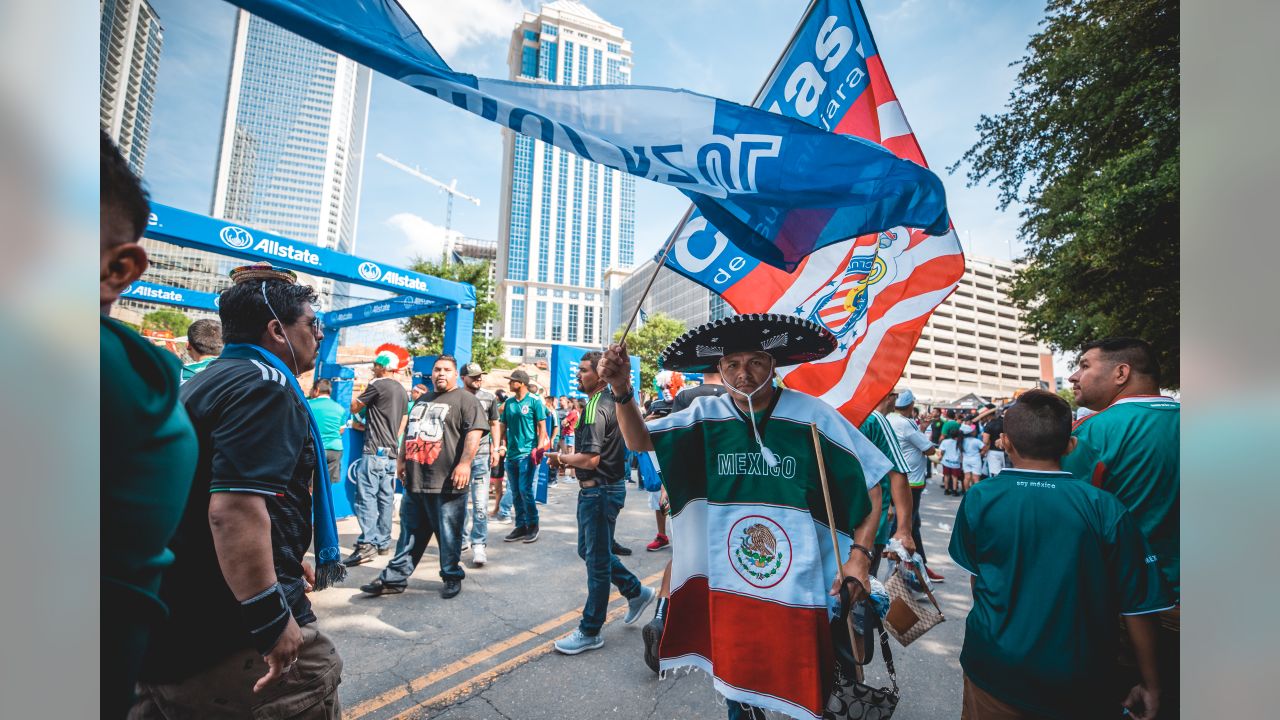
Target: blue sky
column 949, row 62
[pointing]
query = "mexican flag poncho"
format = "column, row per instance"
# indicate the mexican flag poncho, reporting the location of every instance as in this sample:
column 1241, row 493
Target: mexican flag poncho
column 752, row 562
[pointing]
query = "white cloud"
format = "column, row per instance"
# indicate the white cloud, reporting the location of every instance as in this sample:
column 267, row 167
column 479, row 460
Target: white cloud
column 425, row 239
column 452, row 26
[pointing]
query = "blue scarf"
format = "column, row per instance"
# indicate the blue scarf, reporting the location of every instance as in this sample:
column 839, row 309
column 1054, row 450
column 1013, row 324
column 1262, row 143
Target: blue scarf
column 329, row 568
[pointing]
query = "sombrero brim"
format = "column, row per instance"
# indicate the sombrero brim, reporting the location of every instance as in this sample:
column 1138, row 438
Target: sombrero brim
column 790, row 340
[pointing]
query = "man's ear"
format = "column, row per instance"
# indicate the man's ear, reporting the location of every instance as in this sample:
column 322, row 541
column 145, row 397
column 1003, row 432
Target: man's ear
column 1122, row 374
column 125, row 263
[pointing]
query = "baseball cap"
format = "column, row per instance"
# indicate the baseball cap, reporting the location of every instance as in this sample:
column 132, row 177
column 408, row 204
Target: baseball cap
column 905, row 398
column 520, row 376
column 472, row 370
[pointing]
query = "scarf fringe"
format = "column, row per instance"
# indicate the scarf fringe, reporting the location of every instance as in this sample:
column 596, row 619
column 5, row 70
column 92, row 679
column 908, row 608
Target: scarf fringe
column 330, row 574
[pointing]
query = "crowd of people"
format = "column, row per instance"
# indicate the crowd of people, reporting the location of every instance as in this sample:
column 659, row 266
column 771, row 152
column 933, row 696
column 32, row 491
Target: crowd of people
column 217, row 477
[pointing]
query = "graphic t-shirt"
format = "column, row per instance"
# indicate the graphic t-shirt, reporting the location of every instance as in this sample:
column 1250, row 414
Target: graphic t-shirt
column 1130, row 449
column 877, row 429
column 1056, row 562
column 685, row 397
column 255, row 437
column 330, row 417
column 385, row 401
column 435, row 436
column 520, row 418
column 598, row 434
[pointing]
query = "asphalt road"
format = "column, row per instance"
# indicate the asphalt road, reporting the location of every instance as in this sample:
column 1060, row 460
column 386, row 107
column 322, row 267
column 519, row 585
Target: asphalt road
column 486, row 654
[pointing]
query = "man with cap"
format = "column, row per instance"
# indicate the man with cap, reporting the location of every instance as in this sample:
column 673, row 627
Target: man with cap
column 486, row 458
column 523, row 430
column 385, row 403
column 754, row 572
column 915, row 449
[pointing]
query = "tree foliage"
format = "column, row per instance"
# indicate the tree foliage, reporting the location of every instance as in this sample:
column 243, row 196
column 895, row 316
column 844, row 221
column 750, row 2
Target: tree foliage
column 1070, row 397
column 648, row 341
column 425, row 333
column 170, row 320
column 1089, row 144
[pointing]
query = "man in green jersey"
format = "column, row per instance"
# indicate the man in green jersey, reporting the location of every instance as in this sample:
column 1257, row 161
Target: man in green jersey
column 1054, row 562
column 1129, row 448
column 204, row 345
column 894, row 489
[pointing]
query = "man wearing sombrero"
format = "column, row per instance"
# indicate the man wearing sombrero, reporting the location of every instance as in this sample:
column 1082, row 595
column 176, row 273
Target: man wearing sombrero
column 753, row 568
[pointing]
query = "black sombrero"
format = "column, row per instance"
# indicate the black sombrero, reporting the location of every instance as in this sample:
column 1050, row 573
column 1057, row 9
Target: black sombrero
column 790, row 340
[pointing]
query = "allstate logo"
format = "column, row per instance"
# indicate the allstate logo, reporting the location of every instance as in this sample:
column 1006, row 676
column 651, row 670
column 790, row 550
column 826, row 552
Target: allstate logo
column 236, row 237
column 370, row 271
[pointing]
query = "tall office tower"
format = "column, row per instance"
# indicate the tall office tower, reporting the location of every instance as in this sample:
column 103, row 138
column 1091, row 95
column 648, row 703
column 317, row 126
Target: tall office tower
column 130, row 38
column 975, row 344
column 291, row 155
column 566, row 221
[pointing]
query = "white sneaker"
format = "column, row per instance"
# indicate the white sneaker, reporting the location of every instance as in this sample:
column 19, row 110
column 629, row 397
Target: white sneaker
column 477, row 555
column 466, row 545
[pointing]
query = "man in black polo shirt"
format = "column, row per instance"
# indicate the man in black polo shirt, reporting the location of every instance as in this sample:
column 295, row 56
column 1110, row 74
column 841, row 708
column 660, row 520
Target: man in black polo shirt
column 602, row 490
column 241, row 639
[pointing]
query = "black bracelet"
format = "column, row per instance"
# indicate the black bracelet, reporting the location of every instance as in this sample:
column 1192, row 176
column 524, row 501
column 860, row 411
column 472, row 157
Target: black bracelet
column 863, row 550
column 625, row 397
column 266, row 615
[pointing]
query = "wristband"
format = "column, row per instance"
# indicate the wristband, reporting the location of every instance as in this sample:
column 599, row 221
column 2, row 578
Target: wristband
column 265, row 616
column 862, row 550
column 625, row 397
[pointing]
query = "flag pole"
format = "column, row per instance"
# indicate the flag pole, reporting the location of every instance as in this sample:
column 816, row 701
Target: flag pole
column 831, row 525
column 689, row 212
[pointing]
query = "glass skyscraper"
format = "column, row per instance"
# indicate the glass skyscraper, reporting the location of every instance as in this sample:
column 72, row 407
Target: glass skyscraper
column 291, row 154
column 565, row 221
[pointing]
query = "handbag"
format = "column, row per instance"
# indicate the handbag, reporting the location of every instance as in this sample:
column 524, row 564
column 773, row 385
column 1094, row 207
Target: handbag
column 851, row 699
column 908, row 618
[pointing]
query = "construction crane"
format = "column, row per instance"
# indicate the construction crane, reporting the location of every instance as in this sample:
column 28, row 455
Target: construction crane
column 451, row 190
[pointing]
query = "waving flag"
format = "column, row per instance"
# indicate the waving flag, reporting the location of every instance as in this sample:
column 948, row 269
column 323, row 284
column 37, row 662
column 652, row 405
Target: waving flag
column 780, row 188
column 875, row 291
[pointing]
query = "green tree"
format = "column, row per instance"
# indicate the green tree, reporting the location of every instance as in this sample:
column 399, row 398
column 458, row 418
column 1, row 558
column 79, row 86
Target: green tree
column 1089, row 144
column 425, row 333
column 1070, row 397
column 648, row 341
column 170, row 320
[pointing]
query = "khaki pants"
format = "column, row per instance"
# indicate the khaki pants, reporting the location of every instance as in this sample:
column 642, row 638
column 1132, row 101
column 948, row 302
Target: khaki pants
column 308, row 692
column 982, row 705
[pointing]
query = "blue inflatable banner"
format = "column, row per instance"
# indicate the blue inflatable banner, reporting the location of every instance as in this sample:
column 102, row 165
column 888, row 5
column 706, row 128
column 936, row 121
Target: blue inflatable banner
column 189, row 229
column 168, row 295
column 778, row 187
column 564, row 370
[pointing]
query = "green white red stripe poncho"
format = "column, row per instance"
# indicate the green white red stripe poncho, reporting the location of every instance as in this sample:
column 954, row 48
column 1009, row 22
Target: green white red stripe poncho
column 752, row 561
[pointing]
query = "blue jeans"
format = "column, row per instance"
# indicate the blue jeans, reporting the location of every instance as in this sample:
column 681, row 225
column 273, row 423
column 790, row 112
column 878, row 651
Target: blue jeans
column 520, row 477
column 373, row 498
column 598, row 509
column 478, row 498
column 421, row 516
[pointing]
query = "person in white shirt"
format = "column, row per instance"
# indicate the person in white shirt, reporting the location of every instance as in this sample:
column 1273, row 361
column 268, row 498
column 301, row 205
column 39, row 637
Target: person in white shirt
column 952, row 462
column 915, row 448
column 971, row 450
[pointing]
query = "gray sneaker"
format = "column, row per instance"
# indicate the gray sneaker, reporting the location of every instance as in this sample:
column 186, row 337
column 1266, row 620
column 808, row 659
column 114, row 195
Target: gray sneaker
column 578, row 643
column 637, row 604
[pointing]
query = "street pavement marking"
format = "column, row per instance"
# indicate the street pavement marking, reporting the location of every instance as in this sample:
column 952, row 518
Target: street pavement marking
column 463, row 689
column 425, row 681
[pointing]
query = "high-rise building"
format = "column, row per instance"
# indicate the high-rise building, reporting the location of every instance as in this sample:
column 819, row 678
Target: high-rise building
column 566, row 221
column 291, row 154
column 130, row 38
column 672, row 294
column 975, row 342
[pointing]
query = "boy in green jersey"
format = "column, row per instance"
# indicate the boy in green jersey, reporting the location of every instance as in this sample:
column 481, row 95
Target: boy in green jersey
column 1054, row 562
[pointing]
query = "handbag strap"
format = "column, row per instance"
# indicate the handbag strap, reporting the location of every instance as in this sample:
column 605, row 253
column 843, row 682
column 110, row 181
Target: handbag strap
column 924, row 582
column 884, row 647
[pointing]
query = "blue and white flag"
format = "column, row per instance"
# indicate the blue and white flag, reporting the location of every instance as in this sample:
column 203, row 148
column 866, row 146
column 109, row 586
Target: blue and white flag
column 747, row 170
